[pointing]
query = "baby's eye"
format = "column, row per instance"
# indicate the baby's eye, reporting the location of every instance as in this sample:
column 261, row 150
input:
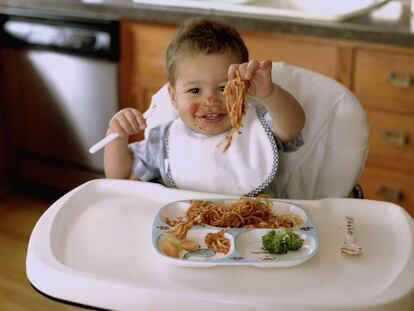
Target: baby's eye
column 194, row 90
column 221, row 88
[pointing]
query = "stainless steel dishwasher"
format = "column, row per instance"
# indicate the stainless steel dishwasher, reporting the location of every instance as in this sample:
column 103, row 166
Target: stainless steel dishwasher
column 60, row 89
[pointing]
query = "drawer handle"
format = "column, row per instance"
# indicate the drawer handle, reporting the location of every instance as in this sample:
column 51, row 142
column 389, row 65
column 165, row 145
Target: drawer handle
column 390, row 193
column 395, row 137
column 401, row 79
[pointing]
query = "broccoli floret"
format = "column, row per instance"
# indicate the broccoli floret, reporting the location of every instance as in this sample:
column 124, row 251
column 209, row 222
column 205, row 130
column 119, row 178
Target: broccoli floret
column 268, row 241
column 275, row 243
column 280, row 241
column 295, row 241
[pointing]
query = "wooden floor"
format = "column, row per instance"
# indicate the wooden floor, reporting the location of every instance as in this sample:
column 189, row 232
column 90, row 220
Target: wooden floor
column 18, row 215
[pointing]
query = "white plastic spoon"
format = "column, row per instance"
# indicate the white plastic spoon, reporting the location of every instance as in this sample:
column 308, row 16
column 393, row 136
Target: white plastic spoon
column 103, row 142
column 350, row 247
column 107, row 139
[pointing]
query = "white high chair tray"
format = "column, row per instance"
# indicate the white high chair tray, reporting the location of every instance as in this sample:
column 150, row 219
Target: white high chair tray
column 93, row 247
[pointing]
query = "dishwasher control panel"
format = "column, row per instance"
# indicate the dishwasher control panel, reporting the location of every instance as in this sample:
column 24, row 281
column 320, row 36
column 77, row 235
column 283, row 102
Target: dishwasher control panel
column 92, row 37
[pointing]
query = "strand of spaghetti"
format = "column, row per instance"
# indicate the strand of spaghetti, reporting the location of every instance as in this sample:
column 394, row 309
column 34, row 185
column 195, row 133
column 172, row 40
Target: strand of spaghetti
column 245, row 210
column 235, row 97
column 218, row 241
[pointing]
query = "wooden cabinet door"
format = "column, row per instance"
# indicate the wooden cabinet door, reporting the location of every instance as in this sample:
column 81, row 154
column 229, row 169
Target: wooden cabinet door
column 319, row 57
column 142, row 63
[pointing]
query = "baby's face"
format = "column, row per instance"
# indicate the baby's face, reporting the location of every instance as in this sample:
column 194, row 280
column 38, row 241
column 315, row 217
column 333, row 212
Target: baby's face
column 198, row 91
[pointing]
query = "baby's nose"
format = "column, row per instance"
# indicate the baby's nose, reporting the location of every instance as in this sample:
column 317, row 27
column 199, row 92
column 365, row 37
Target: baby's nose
column 212, row 100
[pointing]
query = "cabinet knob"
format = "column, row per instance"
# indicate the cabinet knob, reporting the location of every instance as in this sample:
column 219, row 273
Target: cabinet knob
column 395, row 137
column 402, row 79
column 389, row 193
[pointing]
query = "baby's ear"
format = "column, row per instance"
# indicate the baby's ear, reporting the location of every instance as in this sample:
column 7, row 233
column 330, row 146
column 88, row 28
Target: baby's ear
column 171, row 92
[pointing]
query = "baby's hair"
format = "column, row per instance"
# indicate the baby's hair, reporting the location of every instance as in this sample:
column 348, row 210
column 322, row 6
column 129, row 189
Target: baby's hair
column 205, row 36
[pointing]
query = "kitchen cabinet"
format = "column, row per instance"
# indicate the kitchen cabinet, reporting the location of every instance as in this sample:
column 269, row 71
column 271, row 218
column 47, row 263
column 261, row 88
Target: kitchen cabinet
column 383, row 81
column 380, row 75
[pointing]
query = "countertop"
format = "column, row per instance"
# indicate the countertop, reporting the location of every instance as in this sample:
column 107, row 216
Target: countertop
column 399, row 31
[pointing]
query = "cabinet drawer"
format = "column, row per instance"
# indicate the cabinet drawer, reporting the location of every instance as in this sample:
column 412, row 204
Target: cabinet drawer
column 391, row 141
column 378, row 184
column 384, row 81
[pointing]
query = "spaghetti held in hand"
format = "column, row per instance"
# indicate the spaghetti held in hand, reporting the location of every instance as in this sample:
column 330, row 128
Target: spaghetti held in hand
column 235, row 96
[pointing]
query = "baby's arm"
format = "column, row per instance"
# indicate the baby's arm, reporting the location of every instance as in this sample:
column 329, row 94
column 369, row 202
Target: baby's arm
column 117, row 156
column 287, row 115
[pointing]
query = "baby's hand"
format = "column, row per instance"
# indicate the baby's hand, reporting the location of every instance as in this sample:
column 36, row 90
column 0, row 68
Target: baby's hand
column 258, row 74
column 127, row 122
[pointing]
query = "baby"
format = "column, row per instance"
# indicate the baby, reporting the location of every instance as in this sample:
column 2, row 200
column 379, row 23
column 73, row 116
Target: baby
column 187, row 153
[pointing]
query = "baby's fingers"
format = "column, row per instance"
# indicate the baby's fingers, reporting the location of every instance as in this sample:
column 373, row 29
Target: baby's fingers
column 115, row 126
column 251, row 68
column 231, row 74
column 255, row 69
column 267, row 64
column 246, row 70
column 127, row 122
column 136, row 120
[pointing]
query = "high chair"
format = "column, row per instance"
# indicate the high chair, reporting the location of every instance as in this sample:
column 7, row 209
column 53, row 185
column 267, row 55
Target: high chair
column 96, row 247
column 335, row 135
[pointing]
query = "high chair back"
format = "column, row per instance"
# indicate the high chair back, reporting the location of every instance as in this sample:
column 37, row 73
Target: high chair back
column 335, row 135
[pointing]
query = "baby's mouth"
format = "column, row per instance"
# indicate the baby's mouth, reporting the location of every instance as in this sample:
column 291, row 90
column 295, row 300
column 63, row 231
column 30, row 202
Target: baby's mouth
column 213, row 117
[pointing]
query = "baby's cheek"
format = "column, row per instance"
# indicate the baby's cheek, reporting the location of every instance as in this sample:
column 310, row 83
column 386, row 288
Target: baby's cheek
column 193, row 107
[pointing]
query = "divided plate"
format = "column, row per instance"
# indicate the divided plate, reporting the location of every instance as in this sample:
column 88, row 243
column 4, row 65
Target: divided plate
column 246, row 243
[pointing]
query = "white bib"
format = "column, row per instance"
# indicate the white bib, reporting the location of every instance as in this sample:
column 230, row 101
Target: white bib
column 197, row 161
